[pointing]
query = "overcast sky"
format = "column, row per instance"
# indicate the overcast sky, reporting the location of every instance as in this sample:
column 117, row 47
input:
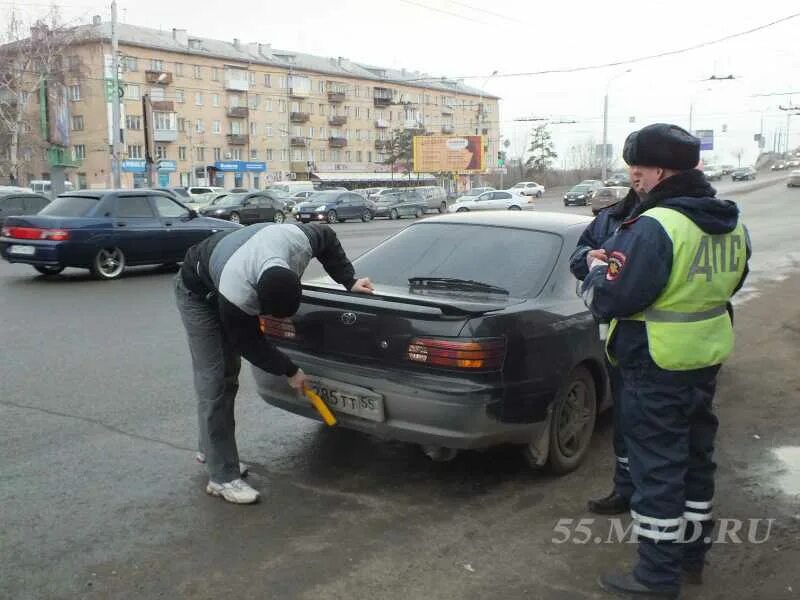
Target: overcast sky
column 473, row 38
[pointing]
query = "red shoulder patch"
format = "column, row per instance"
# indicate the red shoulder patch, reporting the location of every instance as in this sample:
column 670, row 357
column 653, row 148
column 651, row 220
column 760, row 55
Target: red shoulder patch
column 616, row 262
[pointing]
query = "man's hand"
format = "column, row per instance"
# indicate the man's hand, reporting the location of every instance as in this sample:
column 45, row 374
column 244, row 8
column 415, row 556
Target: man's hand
column 594, row 255
column 363, row 286
column 298, row 380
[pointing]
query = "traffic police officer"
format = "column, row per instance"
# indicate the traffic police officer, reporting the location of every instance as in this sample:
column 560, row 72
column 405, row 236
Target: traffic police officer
column 590, row 244
column 664, row 282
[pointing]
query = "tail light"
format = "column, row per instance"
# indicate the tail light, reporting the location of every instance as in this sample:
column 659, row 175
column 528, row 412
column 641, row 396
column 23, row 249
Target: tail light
column 278, row 328
column 485, row 354
column 35, row 233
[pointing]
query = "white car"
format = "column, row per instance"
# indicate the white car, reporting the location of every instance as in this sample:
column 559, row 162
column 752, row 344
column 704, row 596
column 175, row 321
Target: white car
column 493, row 200
column 204, row 194
column 527, row 188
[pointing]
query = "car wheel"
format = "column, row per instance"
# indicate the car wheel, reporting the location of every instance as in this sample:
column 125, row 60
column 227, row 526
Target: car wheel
column 394, row 215
column 279, row 217
column 514, row 208
column 539, row 194
column 108, row 263
column 418, row 213
column 366, row 216
column 443, row 207
column 235, row 218
column 565, row 203
column 332, row 217
column 572, row 424
column 49, row 269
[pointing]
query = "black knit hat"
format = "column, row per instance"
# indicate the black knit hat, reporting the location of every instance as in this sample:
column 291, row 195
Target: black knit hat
column 662, row 145
column 279, row 292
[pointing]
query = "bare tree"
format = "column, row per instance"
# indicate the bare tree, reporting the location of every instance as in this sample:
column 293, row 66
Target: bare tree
column 29, row 61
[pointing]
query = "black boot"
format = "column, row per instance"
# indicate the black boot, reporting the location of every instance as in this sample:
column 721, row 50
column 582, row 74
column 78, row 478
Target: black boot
column 627, row 585
column 613, row 504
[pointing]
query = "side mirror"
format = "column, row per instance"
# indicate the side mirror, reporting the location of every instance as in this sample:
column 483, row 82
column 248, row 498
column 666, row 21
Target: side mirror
column 192, row 213
column 245, row 202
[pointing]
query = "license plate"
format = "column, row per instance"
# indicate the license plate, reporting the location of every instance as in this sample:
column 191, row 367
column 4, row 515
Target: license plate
column 349, row 399
column 305, row 216
column 23, row 250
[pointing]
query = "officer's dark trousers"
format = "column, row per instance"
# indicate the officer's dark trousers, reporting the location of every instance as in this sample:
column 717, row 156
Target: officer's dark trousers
column 622, row 475
column 669, row 433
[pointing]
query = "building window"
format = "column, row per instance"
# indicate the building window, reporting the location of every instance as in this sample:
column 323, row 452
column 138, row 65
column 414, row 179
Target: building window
column 284, row 155
column 267, row 80
column 161, row 152
column 348, row 156
column 295, row 107
column 282, row 106
column 322, row 133
column 79, row 152
column 357, row 112
column 284, row 133
column 178, row 69
column 157, row 93
column 311, row 108
column 181, row 124
column 164, row 121
column 358, row 155
column 134, row 151
column 311, row 133
column 182, row 153
column 132, row 92
column 297, row 131
column 217, row 153
column 200, row 153
column 215, row 100
column 251, row 78
column 74, row 92
column 268, row 154
column 198, row 126
column 253, row 154
column 322, row 156
column 253, row 101
column 282, row 83
column 336, row 155
column 131, row 63
column 156, row 64
column 214, row 74
column 369, row 156
column 268, row 105
column 253, row 128
column 235, row 127
column 297, row 155
column 133, row 122
column 77, row 123
column 321, row 87
column 268, row 130
column 198, row 72
column 216, row 127
column 198, row 98
column 180, row 96
column 236, row 153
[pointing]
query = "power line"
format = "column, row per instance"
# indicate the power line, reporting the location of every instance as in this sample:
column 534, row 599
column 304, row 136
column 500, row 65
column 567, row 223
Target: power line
column 629, row 61
column 441, row 10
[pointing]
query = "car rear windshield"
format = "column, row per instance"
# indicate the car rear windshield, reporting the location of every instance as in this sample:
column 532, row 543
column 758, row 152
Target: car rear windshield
column 181, row 192
column 70, row 206
column 518, row 260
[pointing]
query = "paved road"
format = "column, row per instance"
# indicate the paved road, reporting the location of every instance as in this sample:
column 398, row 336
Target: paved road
column 101, row 497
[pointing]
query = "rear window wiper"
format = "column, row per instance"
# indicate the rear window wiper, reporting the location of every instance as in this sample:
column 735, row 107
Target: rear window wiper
column 453, row 283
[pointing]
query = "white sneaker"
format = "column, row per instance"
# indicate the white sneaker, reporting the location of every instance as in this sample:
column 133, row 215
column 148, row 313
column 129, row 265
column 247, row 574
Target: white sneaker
column 236, row 491
column 243, row 468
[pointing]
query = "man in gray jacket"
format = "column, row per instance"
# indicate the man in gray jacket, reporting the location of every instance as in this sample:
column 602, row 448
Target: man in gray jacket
column 225, row 283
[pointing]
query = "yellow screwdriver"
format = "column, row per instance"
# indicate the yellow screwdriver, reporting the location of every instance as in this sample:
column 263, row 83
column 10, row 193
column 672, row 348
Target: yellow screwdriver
column 321, row 407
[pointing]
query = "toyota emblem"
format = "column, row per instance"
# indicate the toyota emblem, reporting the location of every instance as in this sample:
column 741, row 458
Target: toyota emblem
column 349, row 318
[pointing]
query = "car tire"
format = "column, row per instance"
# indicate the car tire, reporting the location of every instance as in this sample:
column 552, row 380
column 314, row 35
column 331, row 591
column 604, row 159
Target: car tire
column 393, row 214
column 539, row 194
column 462, row 209
column 418, row 213
column 515, row 207
column 108, row 263
column 49, row 269
column 332, row 217
column 279, row 217
column 366, row 216
column 575, row 406
column 443, row 207
column 235, row 218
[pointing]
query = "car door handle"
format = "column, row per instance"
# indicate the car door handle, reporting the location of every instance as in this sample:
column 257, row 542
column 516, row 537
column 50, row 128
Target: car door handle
column 168, row 224
column 121, row 224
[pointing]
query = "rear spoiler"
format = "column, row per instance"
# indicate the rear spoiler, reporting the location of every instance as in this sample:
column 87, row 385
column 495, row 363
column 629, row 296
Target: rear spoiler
column 432, row 305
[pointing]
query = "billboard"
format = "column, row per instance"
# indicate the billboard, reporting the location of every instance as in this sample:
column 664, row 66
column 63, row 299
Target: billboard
column 449, row 153
column 58, row 124
column 706, row 138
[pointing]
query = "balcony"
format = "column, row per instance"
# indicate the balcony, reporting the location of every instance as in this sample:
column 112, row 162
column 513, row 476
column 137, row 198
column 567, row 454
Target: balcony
column 165, row 135
column 337, row 142
column 447, row 109
column 160, row 77
column 382, row 97
column 237, row 81
column 382, row 124
column 448, row 129
column 238, row 112
column 297, row 142
column 336, row 97
column 413, row 125
column 236, row 139
column 296, row 92
column 163, row 106
column 299, row 117
column 383, row 144
column 337, row 120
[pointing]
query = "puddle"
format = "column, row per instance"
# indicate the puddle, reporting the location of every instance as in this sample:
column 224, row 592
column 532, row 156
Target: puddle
column 789, row 479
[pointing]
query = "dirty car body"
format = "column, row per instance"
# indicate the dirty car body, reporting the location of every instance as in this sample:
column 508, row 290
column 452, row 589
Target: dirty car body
column 462, row 365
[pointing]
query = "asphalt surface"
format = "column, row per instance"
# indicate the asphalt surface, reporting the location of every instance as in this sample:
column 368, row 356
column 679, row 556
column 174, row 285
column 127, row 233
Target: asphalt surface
column 101, row 497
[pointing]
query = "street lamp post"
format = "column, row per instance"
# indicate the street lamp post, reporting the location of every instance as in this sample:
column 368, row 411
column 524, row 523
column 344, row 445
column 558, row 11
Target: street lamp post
column 605, row 124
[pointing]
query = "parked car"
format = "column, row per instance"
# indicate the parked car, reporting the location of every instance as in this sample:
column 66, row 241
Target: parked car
column 493, row 200
column 607, row 196
column 14, row 204
column 404, row 203
column 202, row 195
column 335, row 207
column 453, row 352
column 105, row 231
column 180, row 194
column 727, row 169
column 579, row 195
column 743, row 174
column 527, row 188
column 594, row 184
column 779, row 166
column 45, row 187
column 248, row 208
column 794, row 179
column 712, row 172
column 435, row 197
column 621, row 178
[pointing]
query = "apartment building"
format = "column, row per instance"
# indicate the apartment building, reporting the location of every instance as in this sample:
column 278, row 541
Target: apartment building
column 235, row 114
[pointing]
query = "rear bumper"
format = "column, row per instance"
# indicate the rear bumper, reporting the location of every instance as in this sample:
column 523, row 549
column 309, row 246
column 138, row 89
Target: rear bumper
column 426, row 409
column 45, row 253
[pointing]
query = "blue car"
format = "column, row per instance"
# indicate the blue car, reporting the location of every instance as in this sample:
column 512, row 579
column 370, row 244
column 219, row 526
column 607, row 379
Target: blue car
column 105, row 231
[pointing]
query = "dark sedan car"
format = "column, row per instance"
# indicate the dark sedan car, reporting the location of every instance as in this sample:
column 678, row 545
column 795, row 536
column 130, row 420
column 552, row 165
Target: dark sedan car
column 253, row 207
column 743, row 174
column 475, row 336
column 105, row 231
column 335, row 207
column 579, row 195
column 402, row 203
column 14, row 204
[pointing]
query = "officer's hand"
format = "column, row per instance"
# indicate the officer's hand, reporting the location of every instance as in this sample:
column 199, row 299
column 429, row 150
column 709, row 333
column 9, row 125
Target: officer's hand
column 363, row 286
column 298, row 380
column 594, row 255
